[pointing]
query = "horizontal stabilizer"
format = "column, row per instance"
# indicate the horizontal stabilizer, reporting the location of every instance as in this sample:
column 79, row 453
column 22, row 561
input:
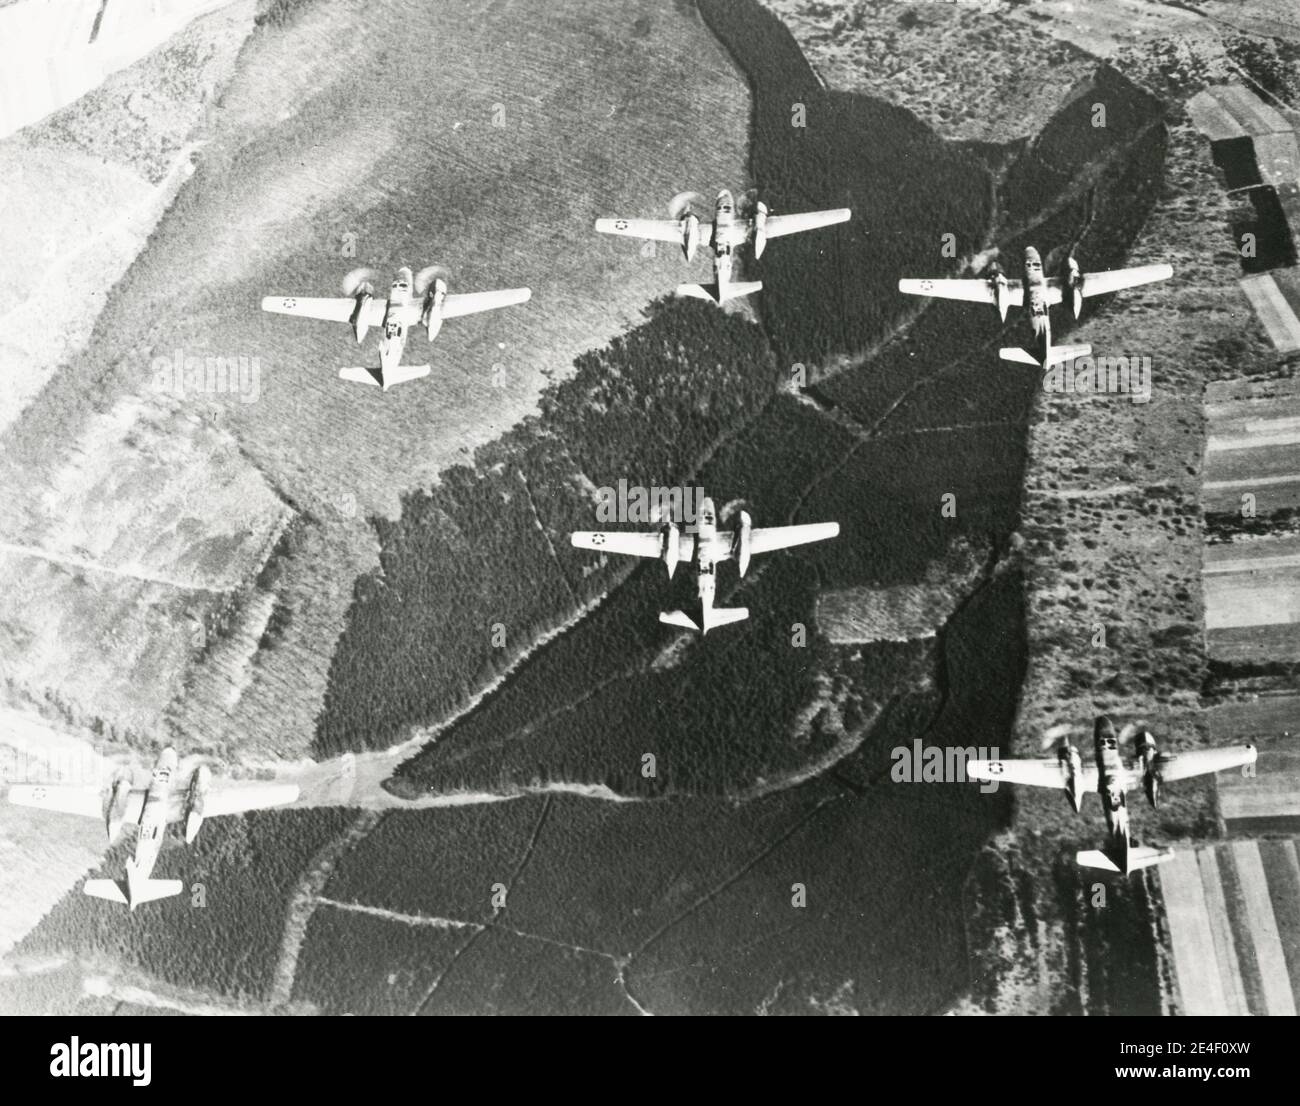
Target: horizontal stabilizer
column 1021, row 356
column 108, row 889
column 710, row 291
column 724, row 616
column 1146, row 857
column 677, row 618
column 385, row 380
column 151, row 889
column 1138, row 857
column 133, row 890
column 1095, row 858
column 1061, row 354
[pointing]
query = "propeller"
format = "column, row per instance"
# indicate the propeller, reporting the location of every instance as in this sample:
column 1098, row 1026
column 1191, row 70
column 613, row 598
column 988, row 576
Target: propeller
column 1052, row 262
column 662, row 513
column 1054, row 734
column 731, row 508
column 1129, row 732
column 359, row 280
column 425, row 277
column 685, row 203
column 746, row 204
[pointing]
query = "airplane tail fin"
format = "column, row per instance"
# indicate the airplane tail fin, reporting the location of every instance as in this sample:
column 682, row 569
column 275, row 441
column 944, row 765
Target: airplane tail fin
column 382, row 379
column 1138, row 857
column 1067, row 353
column 710, row 291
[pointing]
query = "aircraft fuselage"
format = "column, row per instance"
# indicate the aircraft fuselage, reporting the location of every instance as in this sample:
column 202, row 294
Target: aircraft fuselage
column 1112, row 785
column 724, row 217
column 704, row 564
column 392, row 338
column 153, row 813
column 1035, row 287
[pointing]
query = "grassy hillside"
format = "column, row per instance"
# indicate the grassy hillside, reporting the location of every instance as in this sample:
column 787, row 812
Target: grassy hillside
column 351, row 133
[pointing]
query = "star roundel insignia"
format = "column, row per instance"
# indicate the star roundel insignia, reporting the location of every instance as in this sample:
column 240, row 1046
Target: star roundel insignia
column 620, row 224
column 927, row 285
column 38, row 793
column 996, row 768
column 290, row 304
column 597, row 539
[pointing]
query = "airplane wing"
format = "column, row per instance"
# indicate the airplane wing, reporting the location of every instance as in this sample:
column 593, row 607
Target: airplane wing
column 334, row 309
column 86, row 801
column 1098, row 284
column 777, row 226
column 1033, row 773
column 1199, row 762
column 768, row 538
column 971, row 289
column 471, row 303
column 661, row 230
column 631, row 542
column 236, row 798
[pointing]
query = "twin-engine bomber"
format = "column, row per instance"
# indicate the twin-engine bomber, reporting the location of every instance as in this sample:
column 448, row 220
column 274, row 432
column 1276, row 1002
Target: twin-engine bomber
column 705, row 549
column 151, row 809
column 421, row 299
column 1112, row 780
column 731, row 228
column 1038, row 292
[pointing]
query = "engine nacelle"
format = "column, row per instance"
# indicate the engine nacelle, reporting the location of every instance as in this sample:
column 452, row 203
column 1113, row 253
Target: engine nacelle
column 115, row 810
column 690, row 234
column 194, row 801
column 1074, row 285
column 1072, row 763
column 1145, row 746
column 998, row 281
column 760, row 228
column 672, row 547
column 360, row 313
column 743, row 534
column 431, row 315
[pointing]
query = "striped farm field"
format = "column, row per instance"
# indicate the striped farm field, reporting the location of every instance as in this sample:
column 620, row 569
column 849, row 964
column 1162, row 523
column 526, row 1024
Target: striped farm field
column 1234, row 922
